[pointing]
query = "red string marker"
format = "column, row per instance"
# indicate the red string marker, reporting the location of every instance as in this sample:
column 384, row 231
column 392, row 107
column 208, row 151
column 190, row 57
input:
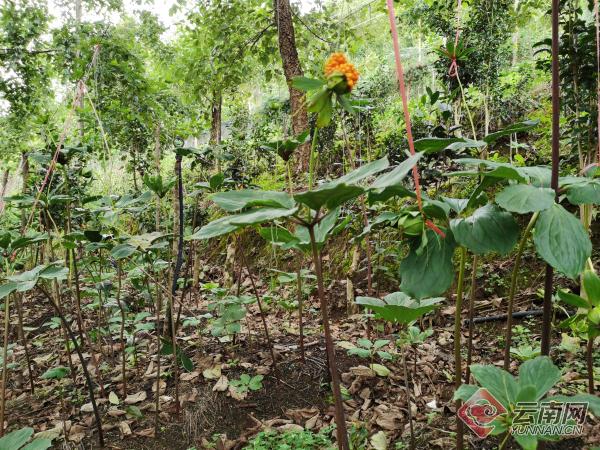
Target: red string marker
column 402, row 87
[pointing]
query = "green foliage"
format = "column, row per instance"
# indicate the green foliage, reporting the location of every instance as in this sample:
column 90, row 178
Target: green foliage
column 292, row 440
column 17, row 440
column 247, row 383
column 399, row 307
column 536, row 378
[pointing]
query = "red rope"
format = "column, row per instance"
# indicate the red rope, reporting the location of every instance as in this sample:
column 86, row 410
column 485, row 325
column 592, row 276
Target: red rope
column 402, row 86
column 453, row 70
column 66, row 127
column 597, row 14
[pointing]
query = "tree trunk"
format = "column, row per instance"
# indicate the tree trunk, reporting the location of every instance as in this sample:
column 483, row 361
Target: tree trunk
column 25, row 188
column 3, row 188
column 291, row 69
column 215, row 125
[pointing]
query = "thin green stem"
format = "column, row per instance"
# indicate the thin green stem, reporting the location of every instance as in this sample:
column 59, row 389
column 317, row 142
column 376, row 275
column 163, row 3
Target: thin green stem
column 464, row 100
column 312, row 160
column 457, row 339
column 513, row 288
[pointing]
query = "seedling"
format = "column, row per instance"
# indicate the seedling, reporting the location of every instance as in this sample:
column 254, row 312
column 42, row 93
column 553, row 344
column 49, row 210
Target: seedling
column 247, row 383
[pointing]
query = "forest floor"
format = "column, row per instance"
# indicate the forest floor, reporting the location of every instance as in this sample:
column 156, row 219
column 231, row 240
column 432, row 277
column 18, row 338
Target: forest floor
column 294, row 395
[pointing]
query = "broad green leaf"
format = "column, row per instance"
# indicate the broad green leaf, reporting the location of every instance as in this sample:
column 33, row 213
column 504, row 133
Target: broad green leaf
column 306, row 84
column 55, row 373
column 581, row 190
column 259, row 215
column 488, row 229
column 54, row 271
column 380, row 370
column 428, row 271
column 525, row 198
column 540, row 373
column 329, row 196
column 458, row 205
column 397, row 174
column 16, row 439
column 498, row 382
column 493, row 169
column 338, row 191
column 514, row 128
column 465, row 392
column 232, row 201
column 561, row 241
column 593, row 401
column 431, row 145
column 122, row 251
column 215, row 228
column 38, row 444
column 573, row 300
column 591, row 284
column 399, row 307
column 7, row 289
column 526, row 441
column 134, row 411
column 279, row 236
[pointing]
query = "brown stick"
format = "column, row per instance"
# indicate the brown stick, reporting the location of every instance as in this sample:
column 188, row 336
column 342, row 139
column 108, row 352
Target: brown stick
column 260, row 308
column 340, row 421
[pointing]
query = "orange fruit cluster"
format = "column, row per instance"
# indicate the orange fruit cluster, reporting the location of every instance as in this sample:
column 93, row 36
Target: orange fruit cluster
column 337, row 62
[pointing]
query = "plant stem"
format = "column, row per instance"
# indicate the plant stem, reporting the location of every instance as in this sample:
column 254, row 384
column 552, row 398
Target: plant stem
column 513, row 288
column 25, row 345
column 590, row 364
column 407, row 387
column 464, row 99
column 311, row 162
column 122, row 331
column 471, row 314
column 86, row 373
column 260, row 308
column 457, row 338
column 157, row 400
column 340, row 421
column 300, row 322
column 548, row 282
column 4, row 363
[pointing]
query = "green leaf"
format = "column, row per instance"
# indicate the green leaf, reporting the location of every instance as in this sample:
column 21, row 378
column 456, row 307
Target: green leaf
column 113, row 398
column 525, row 198
column 573, row 300
column 122, row 251
column 232, row 201
column 255, row 382
column 503, row 171
column 592, row 400
column 465, row 392
column 561, row 241
column 591, row 285
column 338, row 191
column 185, row 360
column 428, row 271
column 433, row 144
column 498, row 382
column 54, row 271
column 488, row 229
column 7, row 289
column 329, row 196
column 259, row 215
column 527, row 441
column 38, row 444
column 306, row 84
column 134, row 411
column 380, row 370
column 215, row 228
column 16, row 439
column 395, row 176
column 514, row 128
column 216, row 181
column 399, row 307
column 539, row 372
column 55, row 373
column 581, row 190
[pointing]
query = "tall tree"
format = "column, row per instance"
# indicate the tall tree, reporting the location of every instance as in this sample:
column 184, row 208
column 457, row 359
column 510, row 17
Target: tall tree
column 291, row 69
